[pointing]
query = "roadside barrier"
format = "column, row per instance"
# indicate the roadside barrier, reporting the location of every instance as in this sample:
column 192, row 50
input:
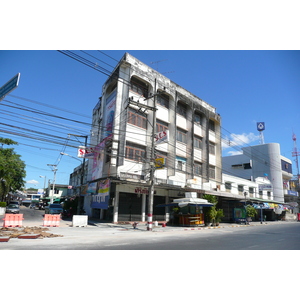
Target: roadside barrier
column 51, row 220
column 13, row 220
column 79, row 220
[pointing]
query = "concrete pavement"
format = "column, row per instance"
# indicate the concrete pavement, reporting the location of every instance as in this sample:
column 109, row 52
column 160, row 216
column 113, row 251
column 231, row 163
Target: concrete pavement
column 104, row 233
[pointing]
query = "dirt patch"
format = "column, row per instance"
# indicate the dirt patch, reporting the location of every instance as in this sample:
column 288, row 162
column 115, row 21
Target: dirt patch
column 13, row 232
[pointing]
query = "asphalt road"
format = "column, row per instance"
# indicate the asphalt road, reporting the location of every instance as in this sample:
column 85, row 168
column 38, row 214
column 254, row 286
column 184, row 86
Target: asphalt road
column 272, row 236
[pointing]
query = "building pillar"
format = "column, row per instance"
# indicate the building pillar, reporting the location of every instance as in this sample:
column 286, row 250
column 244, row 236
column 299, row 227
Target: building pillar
column 167, row 210
column 143, row 207
column 116, row 206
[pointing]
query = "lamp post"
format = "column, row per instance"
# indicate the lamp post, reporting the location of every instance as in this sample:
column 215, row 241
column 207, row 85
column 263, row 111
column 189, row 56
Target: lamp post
column 81, row 176
column 45, row 177
column 82, row 170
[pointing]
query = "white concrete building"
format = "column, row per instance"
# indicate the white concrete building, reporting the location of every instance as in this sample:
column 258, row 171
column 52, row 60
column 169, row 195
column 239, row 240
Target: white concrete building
column 259, row 162
column 122, row 135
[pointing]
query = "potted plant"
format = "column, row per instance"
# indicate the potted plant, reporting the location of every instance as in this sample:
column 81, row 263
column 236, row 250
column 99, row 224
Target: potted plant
column 251, row 212
column 213, row 215
column 219, row 216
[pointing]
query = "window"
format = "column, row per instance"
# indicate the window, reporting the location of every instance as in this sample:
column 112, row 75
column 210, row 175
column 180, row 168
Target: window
column 228, row 187
column 211, row 125
column 135, row 152
column 181, row 136
column 212, row 172
column 212, row 148
column 247, row 166
column 161, row 126
column 180, row 163
column 198, row 168
column 137, row 118
column 198, row 142
column 197, row 119
column 181, row 110
column 139, row 87
column 251, row 191
column 163, row 100
column 241, row 189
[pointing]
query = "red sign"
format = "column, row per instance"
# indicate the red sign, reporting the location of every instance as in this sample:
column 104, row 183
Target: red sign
column 85, row 153
column 161, row 137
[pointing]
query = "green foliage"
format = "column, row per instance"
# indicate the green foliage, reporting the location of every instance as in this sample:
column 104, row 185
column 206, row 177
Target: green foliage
column 219, row 215
column 210, row 213
column 251, row 211
column 2, row 204
column 12, row 169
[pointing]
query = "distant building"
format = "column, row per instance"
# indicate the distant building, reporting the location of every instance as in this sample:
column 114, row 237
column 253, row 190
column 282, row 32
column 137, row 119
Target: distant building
column 262, row 161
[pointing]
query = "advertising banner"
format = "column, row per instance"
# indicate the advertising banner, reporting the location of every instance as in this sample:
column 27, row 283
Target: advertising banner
column 110, row 108
column 99, row 150
column 101, row 200
column 92, row 188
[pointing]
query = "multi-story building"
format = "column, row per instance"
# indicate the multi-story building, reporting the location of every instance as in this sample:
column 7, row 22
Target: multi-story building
column 137, row 104
column 262, row 161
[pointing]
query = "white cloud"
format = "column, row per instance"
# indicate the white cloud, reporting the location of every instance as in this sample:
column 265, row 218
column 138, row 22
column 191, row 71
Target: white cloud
column 238, row 140
column 32, row 181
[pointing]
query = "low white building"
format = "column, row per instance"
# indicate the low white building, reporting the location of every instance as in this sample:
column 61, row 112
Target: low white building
column 261, row 161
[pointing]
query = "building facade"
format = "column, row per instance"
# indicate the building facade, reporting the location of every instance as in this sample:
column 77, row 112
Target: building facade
column 262, row 161
column 145, row 119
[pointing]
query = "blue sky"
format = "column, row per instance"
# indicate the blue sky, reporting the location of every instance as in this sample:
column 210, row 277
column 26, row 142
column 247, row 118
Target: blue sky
column 246, row 87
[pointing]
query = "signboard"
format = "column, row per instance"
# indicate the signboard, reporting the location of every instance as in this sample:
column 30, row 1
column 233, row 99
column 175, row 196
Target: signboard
column 101, row 200
column 161, row 137
column 261, row 126
column 9, row 86
column 141, row 190
column 159, row 163
column 264, row 187
column 85, row 152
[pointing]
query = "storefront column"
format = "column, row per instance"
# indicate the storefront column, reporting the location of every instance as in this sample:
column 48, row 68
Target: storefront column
column 116, row 207
column 101, row 214
column 143, row 207
column 167, row 210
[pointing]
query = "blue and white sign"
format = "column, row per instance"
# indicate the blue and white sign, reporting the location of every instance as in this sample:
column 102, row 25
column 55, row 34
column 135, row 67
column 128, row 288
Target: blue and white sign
column 261, row 126
column 9, row 86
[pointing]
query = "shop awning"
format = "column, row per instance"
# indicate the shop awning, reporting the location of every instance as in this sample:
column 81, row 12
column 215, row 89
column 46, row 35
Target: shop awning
column 187, row 201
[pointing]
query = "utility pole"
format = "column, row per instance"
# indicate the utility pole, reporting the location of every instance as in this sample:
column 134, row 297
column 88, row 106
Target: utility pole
column 53, row 185
column 152, row 165
column 152, row 157
column 82, row 171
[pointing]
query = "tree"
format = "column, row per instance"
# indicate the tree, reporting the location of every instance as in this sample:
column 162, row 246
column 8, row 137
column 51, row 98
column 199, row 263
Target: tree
column 12, row 169
column 210, row 213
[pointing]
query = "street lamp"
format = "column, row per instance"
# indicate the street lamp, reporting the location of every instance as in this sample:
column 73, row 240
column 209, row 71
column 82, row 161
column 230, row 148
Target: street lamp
column 62, row 153
column 44, row 183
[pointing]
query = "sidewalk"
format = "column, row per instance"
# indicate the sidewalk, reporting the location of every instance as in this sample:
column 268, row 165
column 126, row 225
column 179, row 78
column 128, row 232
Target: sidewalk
column 142, row 226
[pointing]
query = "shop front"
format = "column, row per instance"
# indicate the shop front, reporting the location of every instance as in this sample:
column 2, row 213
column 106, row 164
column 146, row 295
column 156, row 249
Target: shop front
column 187, row 211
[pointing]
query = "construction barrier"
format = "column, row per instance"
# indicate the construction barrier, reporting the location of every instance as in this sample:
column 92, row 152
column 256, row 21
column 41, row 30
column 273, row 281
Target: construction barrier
column 79, row 220
column 13, row 220
column 51, row 220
